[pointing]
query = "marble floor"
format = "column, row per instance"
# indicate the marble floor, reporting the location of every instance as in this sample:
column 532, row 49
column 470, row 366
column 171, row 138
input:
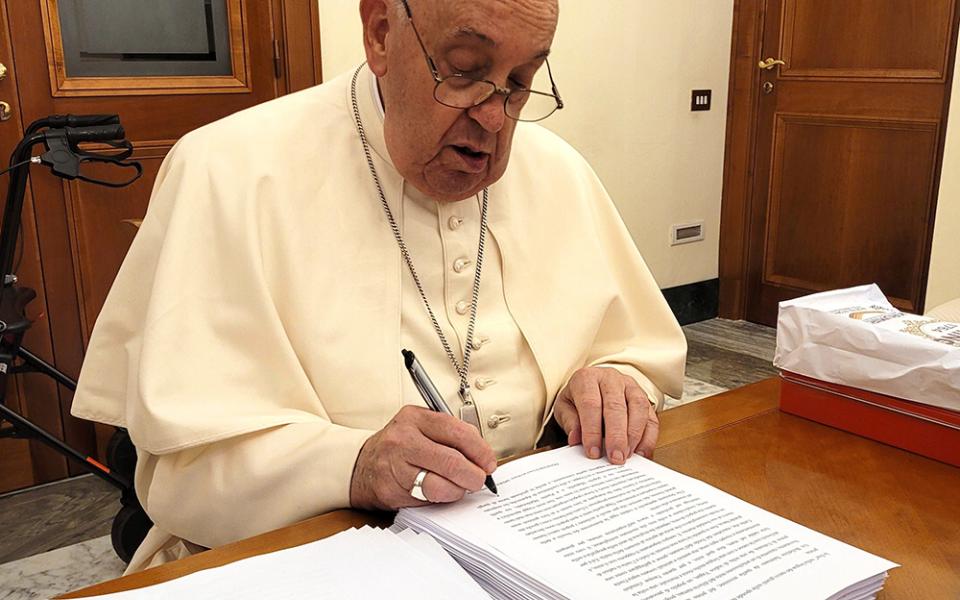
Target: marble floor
column 56, row 537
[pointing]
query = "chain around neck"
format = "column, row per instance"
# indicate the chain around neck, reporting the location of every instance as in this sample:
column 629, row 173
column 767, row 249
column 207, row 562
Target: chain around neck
column 463, row 369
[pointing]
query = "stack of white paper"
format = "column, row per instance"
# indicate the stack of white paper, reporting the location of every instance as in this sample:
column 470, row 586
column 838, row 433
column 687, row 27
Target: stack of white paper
column 565, row 526
column 357, row 563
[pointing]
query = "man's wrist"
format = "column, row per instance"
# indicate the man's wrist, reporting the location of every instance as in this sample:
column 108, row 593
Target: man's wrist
column 359, row 480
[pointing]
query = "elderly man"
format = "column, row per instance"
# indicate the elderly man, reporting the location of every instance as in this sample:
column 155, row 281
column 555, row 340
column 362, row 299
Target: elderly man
column 251, row 342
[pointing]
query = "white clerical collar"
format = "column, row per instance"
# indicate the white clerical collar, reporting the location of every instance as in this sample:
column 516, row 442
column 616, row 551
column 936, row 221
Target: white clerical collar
column 375, row 92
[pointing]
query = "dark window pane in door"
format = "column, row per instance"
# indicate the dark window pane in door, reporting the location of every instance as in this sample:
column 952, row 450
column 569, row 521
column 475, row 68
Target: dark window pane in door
column 144, row 38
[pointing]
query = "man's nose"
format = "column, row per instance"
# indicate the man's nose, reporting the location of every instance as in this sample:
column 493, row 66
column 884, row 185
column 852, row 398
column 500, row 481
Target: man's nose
column 490, row 113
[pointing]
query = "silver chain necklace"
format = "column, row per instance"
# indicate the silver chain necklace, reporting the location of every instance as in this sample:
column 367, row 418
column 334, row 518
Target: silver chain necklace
column 468, row 411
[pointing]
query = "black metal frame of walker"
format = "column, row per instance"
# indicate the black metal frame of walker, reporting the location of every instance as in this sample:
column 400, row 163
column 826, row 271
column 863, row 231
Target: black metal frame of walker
column 61, row 135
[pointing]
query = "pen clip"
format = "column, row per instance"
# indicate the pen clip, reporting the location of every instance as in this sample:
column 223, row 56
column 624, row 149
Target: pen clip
column 431, row 396
column 427, row 397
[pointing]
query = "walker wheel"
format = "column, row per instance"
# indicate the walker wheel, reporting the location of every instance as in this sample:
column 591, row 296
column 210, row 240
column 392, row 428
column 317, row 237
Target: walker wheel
column 130, row 527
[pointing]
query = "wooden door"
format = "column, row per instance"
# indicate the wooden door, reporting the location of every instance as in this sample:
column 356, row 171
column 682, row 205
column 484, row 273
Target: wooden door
column 847, row 140
column 166, row 68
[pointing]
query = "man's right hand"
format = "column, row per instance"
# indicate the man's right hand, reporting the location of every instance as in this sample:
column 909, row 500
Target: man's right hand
column 456, row 457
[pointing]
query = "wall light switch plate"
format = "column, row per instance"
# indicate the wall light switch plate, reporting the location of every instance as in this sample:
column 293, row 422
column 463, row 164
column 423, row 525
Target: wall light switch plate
column 701, row 100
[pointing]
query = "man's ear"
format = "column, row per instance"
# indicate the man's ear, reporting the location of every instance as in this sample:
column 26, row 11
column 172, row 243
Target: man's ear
column 376, row 24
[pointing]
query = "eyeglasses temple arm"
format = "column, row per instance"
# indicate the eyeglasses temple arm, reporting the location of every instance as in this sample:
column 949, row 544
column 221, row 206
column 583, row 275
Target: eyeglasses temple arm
column 426, row 55
column 553, row 85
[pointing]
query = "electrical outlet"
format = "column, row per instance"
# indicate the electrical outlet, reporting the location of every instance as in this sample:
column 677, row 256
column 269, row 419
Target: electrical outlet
column 700, row 100
column 686, row 233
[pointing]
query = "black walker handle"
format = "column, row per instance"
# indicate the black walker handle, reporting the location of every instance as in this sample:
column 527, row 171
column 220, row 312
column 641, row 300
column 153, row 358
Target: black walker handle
column 61, row 121
column 94, row 133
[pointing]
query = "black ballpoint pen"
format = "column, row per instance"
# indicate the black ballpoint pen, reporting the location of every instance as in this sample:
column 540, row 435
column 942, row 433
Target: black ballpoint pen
column 432, row 397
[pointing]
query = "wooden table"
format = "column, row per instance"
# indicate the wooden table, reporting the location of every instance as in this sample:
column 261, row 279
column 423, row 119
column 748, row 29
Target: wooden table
column 887, row 501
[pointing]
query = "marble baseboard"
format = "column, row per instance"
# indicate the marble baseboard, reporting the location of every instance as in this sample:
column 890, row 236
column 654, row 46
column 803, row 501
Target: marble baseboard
column 694, row 302
column 58, row 571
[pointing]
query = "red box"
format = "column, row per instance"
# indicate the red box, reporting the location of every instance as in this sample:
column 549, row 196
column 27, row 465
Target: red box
column 931, row 431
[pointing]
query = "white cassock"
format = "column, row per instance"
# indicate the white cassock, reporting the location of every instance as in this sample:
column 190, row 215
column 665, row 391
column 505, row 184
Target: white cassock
column 251, row 341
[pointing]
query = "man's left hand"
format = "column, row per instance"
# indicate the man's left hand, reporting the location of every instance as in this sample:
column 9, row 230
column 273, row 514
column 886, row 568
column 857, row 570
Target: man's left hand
column 602, row 407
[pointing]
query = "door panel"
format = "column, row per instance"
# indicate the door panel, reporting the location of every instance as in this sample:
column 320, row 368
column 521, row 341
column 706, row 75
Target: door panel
column 866, row 38
column 832, row 176
column 166, row 68
column 849, row 136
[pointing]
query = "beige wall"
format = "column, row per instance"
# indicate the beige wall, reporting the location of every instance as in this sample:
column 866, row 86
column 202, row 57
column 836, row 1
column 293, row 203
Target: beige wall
column 625, row 69
column 341, row 47
column 943, row 281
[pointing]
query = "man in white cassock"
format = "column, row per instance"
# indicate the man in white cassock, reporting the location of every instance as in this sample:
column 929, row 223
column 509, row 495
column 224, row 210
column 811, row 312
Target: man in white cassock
column 251, row 342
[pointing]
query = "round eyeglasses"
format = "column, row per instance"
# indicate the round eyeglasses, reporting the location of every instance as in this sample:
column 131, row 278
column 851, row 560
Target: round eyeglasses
column 460, row 91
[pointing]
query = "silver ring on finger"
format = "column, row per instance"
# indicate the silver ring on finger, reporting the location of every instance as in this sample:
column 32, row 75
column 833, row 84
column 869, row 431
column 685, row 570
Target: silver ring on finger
column 417, row 490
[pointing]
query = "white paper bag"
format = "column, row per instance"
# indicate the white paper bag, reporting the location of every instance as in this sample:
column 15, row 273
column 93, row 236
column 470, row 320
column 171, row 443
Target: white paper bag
column 855, row 337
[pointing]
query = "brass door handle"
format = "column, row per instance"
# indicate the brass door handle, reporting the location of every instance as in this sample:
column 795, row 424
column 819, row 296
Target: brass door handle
column 770, row 63
column 5, row 112
column 3, row 71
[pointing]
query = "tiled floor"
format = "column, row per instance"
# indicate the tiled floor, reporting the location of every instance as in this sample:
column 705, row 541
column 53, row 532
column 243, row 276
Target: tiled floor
column 55, row 515
column 58, row 571
column 57, row 537
column 729, row 354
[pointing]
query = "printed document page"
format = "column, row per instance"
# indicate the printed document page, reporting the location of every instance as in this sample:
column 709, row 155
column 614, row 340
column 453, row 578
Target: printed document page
column 357, row 563
column 587, row 529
